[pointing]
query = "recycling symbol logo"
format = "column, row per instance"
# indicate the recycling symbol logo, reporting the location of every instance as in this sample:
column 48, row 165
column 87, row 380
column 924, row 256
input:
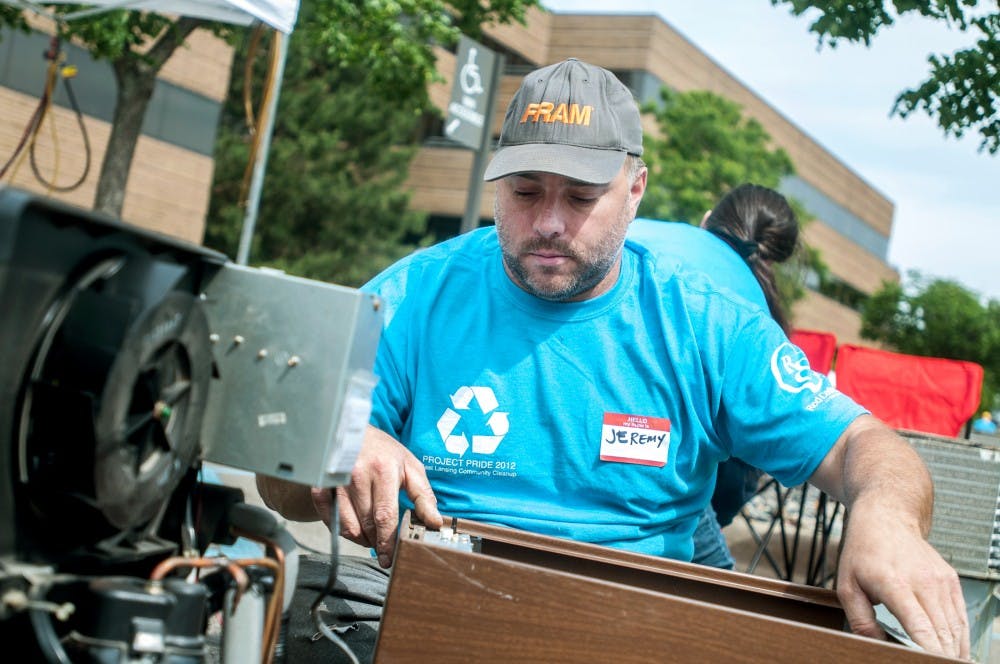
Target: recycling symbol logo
column 462, row 400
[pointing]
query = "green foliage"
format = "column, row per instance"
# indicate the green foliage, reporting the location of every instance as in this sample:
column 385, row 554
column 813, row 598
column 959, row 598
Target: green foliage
column 117, row 35
column 937, row 318
column 333, row 205
column 13, row 17
column 962, row 91
column 393, row 39
column 708, row 147
column 137, row 45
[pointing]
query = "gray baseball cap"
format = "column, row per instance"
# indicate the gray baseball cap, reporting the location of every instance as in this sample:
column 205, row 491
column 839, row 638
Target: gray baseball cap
column 572, row 119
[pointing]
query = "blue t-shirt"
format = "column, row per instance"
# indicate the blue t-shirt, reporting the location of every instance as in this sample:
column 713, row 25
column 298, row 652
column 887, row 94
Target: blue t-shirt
column 603, row 420
column 699, row 250
column 982, row 425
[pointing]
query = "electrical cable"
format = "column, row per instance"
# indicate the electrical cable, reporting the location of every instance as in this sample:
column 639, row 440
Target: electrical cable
column 67, row 73
column 252, row 47
column 30, row 134
column 34, row 123
column 265, row 105
column 331, row 581
column 310, row 549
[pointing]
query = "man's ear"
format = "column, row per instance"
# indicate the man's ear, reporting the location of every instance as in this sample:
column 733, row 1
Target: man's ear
column 705, row 217
column 638, row 189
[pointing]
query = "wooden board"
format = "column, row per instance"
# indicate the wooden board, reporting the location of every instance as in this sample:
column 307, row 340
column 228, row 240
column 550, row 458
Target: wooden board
column 529, row 598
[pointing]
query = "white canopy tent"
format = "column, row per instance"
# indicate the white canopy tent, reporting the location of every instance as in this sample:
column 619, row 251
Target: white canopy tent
column 279, row 14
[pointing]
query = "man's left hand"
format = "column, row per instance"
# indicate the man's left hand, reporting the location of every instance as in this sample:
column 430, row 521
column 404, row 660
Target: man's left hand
column 888, row 562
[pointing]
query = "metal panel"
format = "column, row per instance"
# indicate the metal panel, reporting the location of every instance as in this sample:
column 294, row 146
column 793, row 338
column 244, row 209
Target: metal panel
column 294, row 357
column 966, row 478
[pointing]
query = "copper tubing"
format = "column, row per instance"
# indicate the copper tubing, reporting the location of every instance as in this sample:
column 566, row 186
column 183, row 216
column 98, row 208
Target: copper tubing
column 235, row 570
column 273, row 621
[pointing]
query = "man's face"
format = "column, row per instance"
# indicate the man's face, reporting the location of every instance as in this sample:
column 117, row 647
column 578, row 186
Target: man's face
column 562, row 239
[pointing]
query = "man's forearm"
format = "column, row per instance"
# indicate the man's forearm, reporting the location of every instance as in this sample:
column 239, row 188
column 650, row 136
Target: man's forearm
column 292, row 501
column 873, row 467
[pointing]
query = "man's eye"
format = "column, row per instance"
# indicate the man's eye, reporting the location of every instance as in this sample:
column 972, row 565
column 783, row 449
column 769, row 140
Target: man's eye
column 584, row 200
column 524, row 194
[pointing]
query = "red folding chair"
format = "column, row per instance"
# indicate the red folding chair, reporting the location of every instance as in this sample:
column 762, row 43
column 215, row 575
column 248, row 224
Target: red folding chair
column 819, row 348
column 910, row 392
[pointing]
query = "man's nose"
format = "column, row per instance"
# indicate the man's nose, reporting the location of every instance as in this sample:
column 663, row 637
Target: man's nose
column 549, row 222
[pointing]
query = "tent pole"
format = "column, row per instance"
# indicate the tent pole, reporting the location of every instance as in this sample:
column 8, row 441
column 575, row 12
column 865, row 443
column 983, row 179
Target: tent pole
column 257, row 180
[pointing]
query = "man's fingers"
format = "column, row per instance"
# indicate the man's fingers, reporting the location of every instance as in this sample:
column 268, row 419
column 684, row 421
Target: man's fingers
column 370, row 510
column 379, row 504
column 859, row 611
column 360, row 494
column 418, row 488
column 960, row 623
column 919, row 625
column 350, row 523
column 385, row 516
column 425, row 507
column 947, row 613
column 956, row 620
column 933, row 613
column 322, row 500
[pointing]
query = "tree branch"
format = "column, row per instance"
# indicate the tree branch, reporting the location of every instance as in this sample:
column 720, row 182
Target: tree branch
column 170, row 39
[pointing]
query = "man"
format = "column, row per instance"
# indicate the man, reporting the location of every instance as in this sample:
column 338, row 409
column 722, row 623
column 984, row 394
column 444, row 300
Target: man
column 546, row 375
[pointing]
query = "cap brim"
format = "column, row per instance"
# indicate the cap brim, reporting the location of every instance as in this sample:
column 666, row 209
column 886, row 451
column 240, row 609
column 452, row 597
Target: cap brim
column 589, row 165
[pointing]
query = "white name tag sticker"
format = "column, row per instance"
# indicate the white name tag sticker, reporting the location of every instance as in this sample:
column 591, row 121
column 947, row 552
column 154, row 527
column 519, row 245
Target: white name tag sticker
column 635, row 439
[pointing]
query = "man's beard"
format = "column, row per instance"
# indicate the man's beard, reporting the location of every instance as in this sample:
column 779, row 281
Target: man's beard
column 591, row 267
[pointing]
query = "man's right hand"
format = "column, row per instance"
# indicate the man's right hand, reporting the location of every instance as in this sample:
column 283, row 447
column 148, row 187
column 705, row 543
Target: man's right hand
column 369, row 505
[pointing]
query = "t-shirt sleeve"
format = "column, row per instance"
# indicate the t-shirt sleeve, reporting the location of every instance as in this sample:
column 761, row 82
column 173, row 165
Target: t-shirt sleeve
column 390, row 401
column 775, row 412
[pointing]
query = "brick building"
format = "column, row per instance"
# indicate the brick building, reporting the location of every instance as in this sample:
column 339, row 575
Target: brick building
column 171, row 175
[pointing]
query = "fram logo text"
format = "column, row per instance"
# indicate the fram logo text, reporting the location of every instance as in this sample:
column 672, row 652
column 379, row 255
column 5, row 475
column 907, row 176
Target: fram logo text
column 548, row 112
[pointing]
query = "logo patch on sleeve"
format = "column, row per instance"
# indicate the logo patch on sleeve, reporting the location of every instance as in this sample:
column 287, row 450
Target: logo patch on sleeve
column 790, row 368
column 635, row 439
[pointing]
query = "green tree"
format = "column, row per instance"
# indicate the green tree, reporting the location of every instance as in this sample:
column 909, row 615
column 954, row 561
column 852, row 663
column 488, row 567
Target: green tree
column 937, row 318
column 137, row 45
column 962, row 90
column 333, row 206
column 705, row 148
column 391, row 39
column 353, row 99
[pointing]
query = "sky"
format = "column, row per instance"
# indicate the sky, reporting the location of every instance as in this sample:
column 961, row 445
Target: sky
column 946, row 193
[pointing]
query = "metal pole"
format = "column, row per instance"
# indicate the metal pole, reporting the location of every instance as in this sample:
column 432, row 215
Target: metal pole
column 471, row 219
column 257, row 181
